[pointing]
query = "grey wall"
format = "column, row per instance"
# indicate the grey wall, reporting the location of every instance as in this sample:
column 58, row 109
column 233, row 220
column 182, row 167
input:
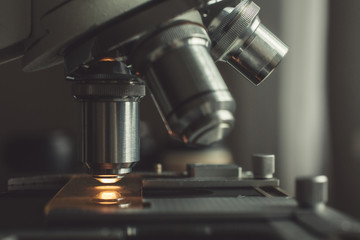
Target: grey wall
column 303, row 121
column 34, row 107
column 34, row 102
column 344, row 100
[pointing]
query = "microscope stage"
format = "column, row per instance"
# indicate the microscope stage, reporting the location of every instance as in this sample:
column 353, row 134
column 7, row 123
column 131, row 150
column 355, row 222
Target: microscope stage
column 136, row 199
column 166, row 205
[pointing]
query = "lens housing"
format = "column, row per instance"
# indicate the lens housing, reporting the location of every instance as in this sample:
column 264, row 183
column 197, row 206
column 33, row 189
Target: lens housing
column 110, row 118
column 187, row 88
column 240, row 40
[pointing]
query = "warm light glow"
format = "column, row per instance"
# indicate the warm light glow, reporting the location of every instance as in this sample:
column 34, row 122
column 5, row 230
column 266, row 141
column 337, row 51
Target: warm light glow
column 108, row 197
column 108, row 179
column 111, row 187
column 185, row 139
column 107, row 59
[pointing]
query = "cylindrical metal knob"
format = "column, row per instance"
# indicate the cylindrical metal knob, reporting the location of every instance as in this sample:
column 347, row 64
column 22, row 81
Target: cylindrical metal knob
column 311, row 191
column 263, row 165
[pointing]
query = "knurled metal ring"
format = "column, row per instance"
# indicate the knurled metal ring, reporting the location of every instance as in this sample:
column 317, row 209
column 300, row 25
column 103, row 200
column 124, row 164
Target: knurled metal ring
column 172, row 36
column 233, row 26
column 89, row 90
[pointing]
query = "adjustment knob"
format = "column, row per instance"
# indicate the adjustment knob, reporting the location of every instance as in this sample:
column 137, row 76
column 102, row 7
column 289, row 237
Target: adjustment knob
column 312, row 191
column 263, row 165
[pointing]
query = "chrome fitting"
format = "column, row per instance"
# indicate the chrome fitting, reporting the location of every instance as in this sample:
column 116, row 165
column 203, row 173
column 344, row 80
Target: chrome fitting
column 240, row 40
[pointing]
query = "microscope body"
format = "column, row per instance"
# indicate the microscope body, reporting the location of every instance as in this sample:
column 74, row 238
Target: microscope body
column 111, row 50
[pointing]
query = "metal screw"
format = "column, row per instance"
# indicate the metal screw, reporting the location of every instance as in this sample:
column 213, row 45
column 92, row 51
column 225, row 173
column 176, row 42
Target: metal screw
column 312, row 192
column 158, row 168
column 263, row 165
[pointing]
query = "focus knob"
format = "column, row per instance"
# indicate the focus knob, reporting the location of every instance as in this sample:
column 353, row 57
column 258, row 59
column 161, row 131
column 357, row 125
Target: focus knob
column 311, row 191
column 263, row 165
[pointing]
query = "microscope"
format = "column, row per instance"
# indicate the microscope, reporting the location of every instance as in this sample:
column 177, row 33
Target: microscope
column 175, row 58
column 113, row 53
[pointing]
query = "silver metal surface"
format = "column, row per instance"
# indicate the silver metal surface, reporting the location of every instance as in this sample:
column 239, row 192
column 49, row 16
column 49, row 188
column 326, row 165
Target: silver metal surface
column 110, row 99
column 288, row 230
column 214, row 170
column 263, row 165
column 328, row 221
column 111, row 136
column 312, row 192
column 210, row 182
column 188, row 89
column 243, row 42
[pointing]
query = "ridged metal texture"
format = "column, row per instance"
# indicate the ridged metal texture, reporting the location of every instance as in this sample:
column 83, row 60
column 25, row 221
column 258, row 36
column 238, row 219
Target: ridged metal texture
column 110, row 118
column 119, row 90
column 244, row 43
column 238, row 20
column 187, row 87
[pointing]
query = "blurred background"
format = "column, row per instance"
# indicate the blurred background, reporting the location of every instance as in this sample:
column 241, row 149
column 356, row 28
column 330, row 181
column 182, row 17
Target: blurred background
column 306, row 113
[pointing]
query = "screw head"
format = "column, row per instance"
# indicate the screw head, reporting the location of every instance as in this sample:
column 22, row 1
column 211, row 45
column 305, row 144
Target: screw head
column 311, row 192
column 263, row 165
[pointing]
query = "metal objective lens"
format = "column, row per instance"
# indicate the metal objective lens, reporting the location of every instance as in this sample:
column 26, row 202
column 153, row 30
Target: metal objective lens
column 110, row 118
column 192, row 98
column 242, row 41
